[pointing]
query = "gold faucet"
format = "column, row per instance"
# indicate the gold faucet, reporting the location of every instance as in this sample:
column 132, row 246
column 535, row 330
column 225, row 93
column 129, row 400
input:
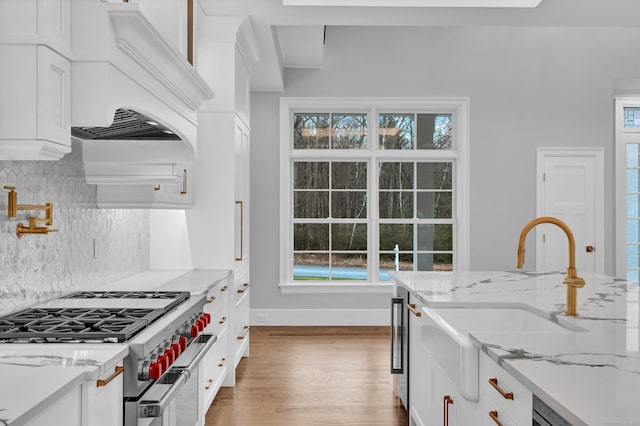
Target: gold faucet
column 33, row 228
column 572, row 280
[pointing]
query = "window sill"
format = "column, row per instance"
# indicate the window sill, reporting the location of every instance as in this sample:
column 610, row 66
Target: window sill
column 319, row 288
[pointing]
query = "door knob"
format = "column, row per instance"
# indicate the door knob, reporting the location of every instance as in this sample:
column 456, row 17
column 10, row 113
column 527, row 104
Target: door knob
column 591, row 249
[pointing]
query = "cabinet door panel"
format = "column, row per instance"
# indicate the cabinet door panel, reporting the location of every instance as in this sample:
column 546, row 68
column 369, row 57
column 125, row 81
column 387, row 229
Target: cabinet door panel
column 54, row 97
column 103, row 405
column 65, row 411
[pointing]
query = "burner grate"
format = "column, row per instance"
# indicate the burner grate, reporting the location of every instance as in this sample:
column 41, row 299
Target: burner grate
column 76, row 324
column 176, row 297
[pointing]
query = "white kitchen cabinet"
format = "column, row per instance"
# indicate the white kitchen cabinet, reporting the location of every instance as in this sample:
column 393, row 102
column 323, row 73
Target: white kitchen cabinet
column 241, row 182
column 420, row 401
column 214, row 367
column 44, row 22
column 240, row 319
column 448, row 407
column 66, row 410
column 169, row 189
column 502, row 396
column 213, row 370
column 91, row 403
column 35, row 79
column 102, row 399
column 434, row 399
column 35, row 106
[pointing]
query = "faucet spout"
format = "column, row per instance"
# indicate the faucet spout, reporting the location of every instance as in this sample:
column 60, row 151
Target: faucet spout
column 572, row 280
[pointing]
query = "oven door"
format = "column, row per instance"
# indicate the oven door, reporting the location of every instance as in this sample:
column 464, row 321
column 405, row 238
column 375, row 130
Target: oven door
column 173, row 399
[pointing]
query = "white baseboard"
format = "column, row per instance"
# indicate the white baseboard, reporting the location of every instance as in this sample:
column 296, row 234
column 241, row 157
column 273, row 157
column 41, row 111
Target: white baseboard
column 320, row 317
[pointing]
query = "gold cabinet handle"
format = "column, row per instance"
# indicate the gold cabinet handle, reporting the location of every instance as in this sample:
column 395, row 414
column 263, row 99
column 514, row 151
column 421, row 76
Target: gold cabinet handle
column 224, row 288
column 208, row 387
column 246, row 329
column 222, row 361
column 213, row 299
column 446, row 402
column 244, row 287
column 494, row 416
column 184, row 182
column 100, row 382
column 222, row 320
column 506, row 395
column 412, row 308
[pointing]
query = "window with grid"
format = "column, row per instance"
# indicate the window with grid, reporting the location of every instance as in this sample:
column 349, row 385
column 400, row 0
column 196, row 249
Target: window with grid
column 369, row 190
column 631, row 127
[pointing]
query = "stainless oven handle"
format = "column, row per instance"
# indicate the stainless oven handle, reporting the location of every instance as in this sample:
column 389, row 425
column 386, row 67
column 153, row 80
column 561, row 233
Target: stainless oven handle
column 202, row 351
column 156, row 408
column 151, row 407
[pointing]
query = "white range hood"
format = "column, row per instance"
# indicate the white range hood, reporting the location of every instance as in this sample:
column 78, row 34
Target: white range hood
column 121, row 61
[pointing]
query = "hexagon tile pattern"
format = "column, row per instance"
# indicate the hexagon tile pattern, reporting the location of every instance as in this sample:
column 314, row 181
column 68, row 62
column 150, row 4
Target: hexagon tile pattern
column 39, row 267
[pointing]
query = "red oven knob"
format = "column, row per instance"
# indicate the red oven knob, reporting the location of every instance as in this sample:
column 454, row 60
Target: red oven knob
column 170, row 354
column 155, row 371
column 183, row 343
column 207, row 318
column 176, row 349
column 164, row 362
column 194, row 330
column 201, row 325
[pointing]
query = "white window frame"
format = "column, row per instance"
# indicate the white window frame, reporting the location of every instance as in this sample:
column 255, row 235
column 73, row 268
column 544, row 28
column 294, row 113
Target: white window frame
column 457, row 107
column 620, row 254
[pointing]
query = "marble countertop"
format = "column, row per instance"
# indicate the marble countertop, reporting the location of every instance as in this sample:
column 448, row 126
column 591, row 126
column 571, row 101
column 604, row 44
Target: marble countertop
column 32, row 376
column 35, row 375
column 590, row 377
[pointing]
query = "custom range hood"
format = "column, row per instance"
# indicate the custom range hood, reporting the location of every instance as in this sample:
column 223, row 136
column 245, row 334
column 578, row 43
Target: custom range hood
column 134, row 106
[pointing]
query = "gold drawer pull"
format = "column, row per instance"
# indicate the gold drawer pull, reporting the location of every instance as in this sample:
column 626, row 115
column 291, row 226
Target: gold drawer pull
column 222, row 361
column 506, row 395
column 208, row 387
column 222, row 320
column 412, row 308
column 245, row 286
column 246, row 329
column 224, row 288
column 213, row 299
column 105, row 382
column 494, row 416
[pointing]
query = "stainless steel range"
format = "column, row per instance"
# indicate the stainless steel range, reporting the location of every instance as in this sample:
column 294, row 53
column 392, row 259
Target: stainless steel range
column 164, row 332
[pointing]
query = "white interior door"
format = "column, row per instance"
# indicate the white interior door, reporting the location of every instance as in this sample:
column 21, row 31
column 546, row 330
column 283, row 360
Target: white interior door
column 571, row 188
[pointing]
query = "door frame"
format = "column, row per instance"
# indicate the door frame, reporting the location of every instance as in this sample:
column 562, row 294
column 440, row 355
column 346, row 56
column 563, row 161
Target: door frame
column 598, row 155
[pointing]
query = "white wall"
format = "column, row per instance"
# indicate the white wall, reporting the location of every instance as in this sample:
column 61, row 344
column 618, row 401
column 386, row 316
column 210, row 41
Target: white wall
column 37, row 267
column 528, row 87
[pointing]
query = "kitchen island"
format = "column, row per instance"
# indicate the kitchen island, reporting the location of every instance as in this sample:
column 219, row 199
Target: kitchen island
column 35, row 376
column 590, row 377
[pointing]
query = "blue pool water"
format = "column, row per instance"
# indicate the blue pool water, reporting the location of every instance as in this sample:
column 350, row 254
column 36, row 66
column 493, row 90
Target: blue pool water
column 337, row 272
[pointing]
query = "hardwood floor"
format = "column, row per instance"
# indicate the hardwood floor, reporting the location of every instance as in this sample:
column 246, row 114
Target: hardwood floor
column 312, row 376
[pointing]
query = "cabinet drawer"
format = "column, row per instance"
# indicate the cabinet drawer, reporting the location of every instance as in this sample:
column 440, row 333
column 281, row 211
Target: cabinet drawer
column 241, row 291
column 510, row 398
column 215, row 367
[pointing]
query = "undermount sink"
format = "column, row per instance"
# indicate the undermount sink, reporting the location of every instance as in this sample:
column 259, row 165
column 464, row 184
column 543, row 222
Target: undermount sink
column 445, row 335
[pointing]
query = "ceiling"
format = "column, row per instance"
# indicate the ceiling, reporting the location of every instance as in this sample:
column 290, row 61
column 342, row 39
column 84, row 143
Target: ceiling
column 291, row 33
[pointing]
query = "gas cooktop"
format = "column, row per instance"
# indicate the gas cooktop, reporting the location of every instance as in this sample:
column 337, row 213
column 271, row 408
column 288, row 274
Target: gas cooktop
column 89, row 317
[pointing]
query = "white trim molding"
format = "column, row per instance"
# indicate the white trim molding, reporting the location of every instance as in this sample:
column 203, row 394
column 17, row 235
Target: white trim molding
column 320, row 317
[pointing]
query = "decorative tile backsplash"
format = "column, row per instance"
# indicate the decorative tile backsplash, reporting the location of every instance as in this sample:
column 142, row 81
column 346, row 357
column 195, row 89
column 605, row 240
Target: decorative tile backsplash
column 38, row 267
